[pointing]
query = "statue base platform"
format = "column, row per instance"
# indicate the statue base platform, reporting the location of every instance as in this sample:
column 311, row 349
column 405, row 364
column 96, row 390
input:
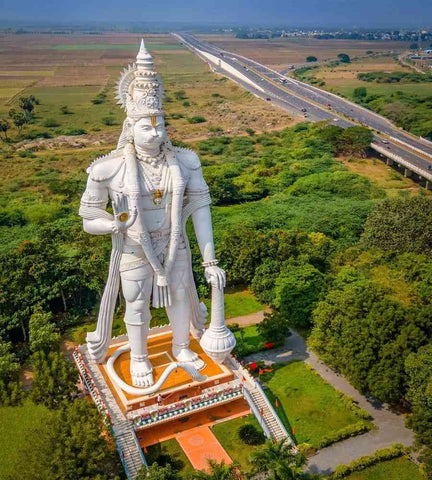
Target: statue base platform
column 178, row 386
column 183, row 402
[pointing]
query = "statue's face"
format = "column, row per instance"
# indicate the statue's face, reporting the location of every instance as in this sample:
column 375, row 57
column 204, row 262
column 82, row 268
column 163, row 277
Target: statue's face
column 149, row 132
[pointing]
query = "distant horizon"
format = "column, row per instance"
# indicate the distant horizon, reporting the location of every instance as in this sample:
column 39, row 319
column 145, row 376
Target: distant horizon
column 180, row 25
column 321, row 14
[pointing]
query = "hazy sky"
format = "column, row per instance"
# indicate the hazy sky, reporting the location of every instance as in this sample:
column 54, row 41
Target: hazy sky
column 282, row 12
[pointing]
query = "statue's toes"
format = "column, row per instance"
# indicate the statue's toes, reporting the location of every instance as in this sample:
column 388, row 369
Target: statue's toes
column 199, row 364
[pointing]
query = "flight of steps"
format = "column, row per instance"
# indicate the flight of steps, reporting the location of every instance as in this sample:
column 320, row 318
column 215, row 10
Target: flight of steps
column 269, row 416
column 127, row 445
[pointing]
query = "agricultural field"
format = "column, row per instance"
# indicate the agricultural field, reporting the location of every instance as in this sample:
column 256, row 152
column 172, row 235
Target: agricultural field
column 278, row 53
column 73, row 77
column 343, row 78
column 382, row 84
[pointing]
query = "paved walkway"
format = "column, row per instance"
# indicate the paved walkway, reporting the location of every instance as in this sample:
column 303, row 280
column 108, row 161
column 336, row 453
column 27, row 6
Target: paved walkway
column 390, row 425
column 251, row 319
column 200, row 445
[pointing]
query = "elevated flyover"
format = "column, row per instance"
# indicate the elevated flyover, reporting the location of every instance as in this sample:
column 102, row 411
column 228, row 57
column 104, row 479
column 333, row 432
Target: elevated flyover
column 397, row 146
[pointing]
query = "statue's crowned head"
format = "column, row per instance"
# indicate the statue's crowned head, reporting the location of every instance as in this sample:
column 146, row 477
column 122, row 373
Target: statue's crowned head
column 139, row 91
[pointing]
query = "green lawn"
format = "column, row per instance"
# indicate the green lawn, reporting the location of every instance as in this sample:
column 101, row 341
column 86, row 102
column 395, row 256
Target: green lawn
column 397, row 469
column 15, row 424
column 226, row 433
column 238, row 303
column 307, row 404
column 171, row 448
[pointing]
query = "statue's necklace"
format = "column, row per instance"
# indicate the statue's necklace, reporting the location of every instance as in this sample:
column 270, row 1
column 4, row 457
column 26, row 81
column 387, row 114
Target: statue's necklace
column 153, row 178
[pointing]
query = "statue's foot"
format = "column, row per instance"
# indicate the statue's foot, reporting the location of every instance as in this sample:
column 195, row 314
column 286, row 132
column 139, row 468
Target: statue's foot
column 141, row 372
column 187, row 355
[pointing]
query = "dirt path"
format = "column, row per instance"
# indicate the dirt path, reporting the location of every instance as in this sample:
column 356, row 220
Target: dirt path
column 390, row 425
column 251, row 319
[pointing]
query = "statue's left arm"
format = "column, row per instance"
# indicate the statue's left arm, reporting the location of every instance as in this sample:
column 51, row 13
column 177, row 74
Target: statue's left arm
column 201, row 219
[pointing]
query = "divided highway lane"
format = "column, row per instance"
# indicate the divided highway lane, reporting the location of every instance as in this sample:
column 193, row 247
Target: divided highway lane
column 316, row 102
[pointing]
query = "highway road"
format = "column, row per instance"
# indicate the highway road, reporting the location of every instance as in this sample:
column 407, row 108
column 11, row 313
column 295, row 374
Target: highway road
column 315, row 104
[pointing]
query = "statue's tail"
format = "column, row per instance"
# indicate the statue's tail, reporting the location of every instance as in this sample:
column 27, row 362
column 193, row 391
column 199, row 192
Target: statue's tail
column 99, row 340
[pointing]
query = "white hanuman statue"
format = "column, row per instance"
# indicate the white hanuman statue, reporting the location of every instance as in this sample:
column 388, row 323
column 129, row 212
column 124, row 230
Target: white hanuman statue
column 154, row 188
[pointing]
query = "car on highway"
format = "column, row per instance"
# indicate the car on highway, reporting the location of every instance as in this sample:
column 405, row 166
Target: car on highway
column 385, row 142
column 303, row 110
column 268, row 99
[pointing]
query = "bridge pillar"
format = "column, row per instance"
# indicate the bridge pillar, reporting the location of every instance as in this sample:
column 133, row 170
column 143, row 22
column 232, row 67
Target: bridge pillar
column 428, row 185
column 407, row 173
column 389, row 162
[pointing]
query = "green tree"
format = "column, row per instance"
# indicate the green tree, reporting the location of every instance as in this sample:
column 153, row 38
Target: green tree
column 344, row 58
column 355, row 141
column 274, row 327
column 19, row 119
column 360, row 93
column 43, row 334
column 311, row 58
column 27, row 106
column 297, row 290
column 414, row 46
column 70, row 444
column 278, row 461
column 4, row 127
column 10, row 388
column 54, row 379
column 361, row 330
column 218, row 471
column 158, row 472
column 418, row 366
column 400, row 225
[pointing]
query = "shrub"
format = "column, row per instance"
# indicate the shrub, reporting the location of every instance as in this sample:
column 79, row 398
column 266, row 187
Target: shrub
column 361, row 463
column 50, row 122
column 347, row 432
column 197, row 119
column 186, row 104
column 109, row 121
column 65, row 110
column 234, row 327
column 250, row 435
column 72, row 131
column 180, row 95
column 250, row 131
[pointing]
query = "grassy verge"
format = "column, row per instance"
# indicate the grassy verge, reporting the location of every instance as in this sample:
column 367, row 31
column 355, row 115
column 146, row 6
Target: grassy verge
column 226, row 433
column 16, row 424
column 399, row 468
column 308, row 405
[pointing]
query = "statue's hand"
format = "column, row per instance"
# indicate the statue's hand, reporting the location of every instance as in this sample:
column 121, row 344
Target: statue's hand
column 215, row 276
column 122, row 217
column 122, row 220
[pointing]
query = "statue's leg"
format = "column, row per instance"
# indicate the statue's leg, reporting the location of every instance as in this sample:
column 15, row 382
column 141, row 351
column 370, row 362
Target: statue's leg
column 136, row 287
column 179, row 313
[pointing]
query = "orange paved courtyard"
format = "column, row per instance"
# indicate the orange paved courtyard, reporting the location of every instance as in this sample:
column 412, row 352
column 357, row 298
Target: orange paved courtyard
column 200, row 445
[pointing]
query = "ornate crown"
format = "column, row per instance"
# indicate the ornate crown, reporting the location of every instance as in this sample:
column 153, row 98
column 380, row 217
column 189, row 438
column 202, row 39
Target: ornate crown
column 139, row 89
